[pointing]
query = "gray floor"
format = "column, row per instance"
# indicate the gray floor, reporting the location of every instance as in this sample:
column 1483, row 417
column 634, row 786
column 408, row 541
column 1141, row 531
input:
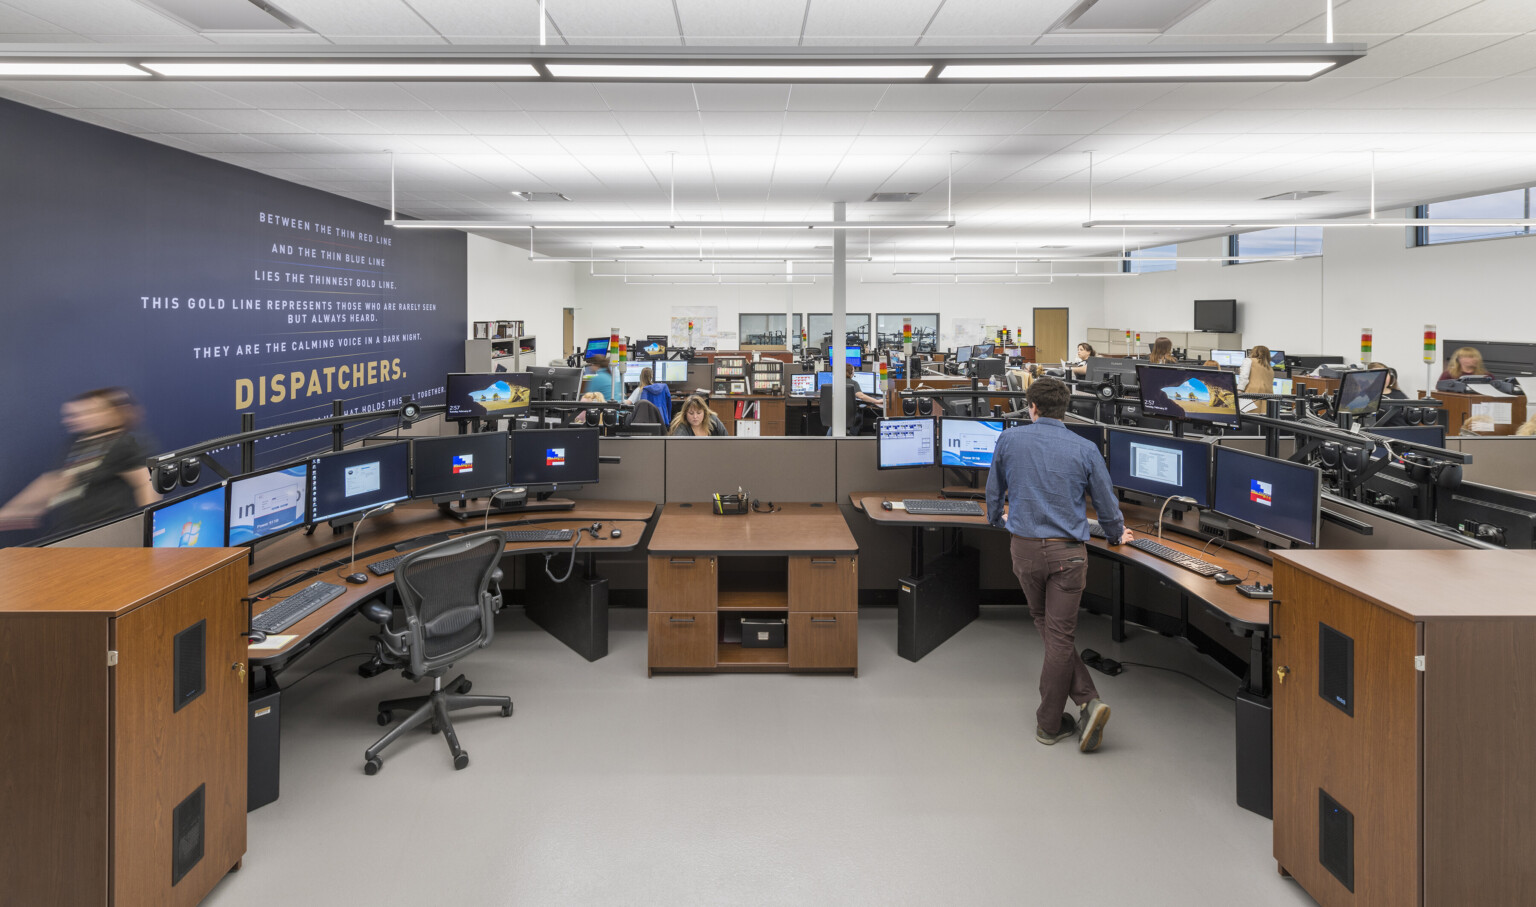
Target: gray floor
column 912, row 784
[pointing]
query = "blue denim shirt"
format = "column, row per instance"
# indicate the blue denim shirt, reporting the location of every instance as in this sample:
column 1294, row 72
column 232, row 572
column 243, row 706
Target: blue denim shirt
column 1045, row 472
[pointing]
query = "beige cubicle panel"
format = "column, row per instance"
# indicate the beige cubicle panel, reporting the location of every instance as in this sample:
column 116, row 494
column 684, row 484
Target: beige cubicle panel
column 1508, row 461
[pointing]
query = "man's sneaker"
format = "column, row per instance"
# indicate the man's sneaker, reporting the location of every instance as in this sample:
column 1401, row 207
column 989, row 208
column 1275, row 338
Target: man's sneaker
column 1094, row 716
column 1068, row 729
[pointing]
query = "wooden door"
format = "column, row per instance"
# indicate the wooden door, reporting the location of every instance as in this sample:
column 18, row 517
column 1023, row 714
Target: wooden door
column 567, row 332
column 1365, row 758
column 1050, row 336
column 163, row 754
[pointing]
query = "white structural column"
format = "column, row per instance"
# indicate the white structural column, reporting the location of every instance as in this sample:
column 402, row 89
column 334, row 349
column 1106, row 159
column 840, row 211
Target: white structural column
column 838, row 355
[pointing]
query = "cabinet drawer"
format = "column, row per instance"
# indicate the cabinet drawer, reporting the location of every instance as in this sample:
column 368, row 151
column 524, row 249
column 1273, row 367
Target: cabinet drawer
column 681, row 640
column 684, row 582
column 824, row 583
column 824, row 640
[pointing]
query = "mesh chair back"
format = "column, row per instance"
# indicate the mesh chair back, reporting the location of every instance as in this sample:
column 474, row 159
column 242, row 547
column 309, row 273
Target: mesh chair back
column 442, row 590
column 645, row 413
column 853, row 419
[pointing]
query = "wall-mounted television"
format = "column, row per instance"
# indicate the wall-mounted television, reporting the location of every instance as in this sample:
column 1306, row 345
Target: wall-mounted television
column 1219, row 315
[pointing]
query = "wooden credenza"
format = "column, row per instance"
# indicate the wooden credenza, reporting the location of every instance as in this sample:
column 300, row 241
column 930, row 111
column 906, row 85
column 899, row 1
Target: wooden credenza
column 1404, row 690
column 1458, row 407
column 707, row 572
column 124, row 717
column 771, row 413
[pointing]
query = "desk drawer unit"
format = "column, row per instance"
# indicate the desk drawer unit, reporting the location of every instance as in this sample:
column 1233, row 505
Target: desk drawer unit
column 824, row 640
column 824, row 583
column 681, row 639
column 681, row 583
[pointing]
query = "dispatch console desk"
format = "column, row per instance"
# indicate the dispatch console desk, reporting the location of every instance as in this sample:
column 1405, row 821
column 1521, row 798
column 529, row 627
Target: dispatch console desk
column 706, row 572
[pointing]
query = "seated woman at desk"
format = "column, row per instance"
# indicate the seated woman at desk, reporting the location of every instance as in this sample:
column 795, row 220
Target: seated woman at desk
column 1077, row 368
column 1465, row 361
column 694, row 420
column 1393, row 392
column 1256, row 376
column 1162, row 352
column 646, row 380
column 859, row 395
column 599, row 378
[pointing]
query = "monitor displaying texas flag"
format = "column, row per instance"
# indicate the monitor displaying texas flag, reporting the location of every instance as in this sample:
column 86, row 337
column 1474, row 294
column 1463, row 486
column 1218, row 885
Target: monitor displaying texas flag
column 1261, row 492
column 463, row 463
column 554, row 456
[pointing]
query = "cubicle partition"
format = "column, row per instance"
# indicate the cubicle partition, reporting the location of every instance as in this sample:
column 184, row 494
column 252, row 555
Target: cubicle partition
column 127, row 532
column 769, row 469
column 1507, row 461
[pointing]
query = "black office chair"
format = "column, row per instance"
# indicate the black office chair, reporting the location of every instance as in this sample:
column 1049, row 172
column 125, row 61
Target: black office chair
column 448, row 595
column 645, row 413
column 855, row 419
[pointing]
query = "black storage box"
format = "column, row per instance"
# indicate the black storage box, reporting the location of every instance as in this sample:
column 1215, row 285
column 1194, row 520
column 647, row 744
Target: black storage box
column 760, row 633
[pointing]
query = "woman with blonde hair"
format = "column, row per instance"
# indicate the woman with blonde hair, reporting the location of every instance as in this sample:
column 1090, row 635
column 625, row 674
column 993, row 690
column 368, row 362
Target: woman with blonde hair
column 1162, row 352
column 1527, row 429
column 694, row 420
column 1465, row 361
column 1257, row 375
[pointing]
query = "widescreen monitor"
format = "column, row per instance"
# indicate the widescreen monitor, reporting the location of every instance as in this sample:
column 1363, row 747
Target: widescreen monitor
column 1277, row 358
column 1495, row 515
column 1360, row 392
column 962, row 355
column 1276, row 496
column 1285, row 387
column 968, row 442
column 1160, row 465
column 983, row 350
column 1188, row 394
column 596, row 346
column 1218, row 315
column 195, row 521
column 1230, row 358
column 822, row 380
column 855, row 355
column 458, row 465
column 486, row 395
column 673, row 371
column 1094, row 434
column 654, row 348
column 355, row 480
column 547, row 458
column 802, row 385
column 632, row 371
column 905, row 443
column 265, row 503
column 1428, row 435
column 868, row 382
column 558, row 382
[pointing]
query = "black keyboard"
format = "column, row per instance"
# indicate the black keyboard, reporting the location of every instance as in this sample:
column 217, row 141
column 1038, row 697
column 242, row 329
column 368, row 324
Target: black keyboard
column 1188, row 562
column 927, row 507
column 381, row 568
column 296, row 607
column 1096, row 531
column 538, row 535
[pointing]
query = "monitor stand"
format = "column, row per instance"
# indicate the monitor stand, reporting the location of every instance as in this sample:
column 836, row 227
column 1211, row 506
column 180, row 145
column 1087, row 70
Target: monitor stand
column 507, row 505
column 970, row 490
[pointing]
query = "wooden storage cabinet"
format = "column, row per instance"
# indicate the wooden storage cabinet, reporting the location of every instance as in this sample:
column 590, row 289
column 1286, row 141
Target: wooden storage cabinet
column 708, row 572
column 124, row 750
column 1402, row 728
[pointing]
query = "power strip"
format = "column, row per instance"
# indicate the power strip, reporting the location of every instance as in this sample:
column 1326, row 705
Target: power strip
column 1257, row 590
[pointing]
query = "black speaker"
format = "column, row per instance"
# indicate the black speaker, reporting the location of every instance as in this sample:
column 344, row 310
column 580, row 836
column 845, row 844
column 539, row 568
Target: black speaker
column 1431, row 416
column 190, row 673
column 166, row 476
column 1336, row 839
column 1336, row 669
column 187, row 829
column 191, row 469
column 263, row 747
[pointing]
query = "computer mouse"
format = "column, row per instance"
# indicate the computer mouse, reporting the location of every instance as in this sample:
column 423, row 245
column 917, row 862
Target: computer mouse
column 617, row 533
column 1227, row 579
column 357, row 579
column 885, row 505
column 256, row 636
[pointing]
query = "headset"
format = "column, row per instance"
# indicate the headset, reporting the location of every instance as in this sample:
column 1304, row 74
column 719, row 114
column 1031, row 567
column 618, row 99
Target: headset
column 765, row 506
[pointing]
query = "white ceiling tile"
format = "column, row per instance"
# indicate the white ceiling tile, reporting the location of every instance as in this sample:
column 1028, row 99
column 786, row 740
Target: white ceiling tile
column 496, row 122
column 16, row 22
column 16, row 91
column 271, row 95
column 523, row 144
column 634, row 21
column 964, row 23
column 99, row 20
column 762, row 98
column 1410, row 54
column 457, row 96
column 794, row 146
column 412, row 122
column 330, row 122
column 967, row 144
column 887, row 144
column 300, row 141
column 341, row 19
column 1021, row 97
column 855, row 22
column 736, row 144
column 915, row 124
column 660, row 123
column 928, row 97
column 594, row 144
column 223, row 141
column 555, row 95
column 452, row 145
column 1115, row 97
column 80, row 94
column 586, row 122
column 835, row 97
column 659, row 96
column 1072, row 122
column 455, row 18
column 718, row 122
column 362, row 96
column 1488, row 17
column 1512, row 55
column 664, row 144
column 989, row 122
column 1512, row 92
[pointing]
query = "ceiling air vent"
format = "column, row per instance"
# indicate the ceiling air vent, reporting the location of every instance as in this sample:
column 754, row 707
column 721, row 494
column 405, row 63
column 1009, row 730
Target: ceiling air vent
column 227, row 15
column 893, row 196
column 1297, row 195
column 1124, row 16
column 540, row 196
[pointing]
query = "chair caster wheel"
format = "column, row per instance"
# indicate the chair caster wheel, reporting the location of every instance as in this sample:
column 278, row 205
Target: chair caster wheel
column 434, row 729
column 461, row 761
column 506, row 711
column 372, row 766
column 385, row 718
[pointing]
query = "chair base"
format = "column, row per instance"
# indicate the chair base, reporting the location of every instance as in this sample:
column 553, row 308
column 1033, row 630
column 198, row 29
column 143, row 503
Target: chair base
column 432, row 709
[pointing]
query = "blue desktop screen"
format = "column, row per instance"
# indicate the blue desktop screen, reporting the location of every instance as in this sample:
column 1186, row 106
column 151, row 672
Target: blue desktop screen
column 192, row 522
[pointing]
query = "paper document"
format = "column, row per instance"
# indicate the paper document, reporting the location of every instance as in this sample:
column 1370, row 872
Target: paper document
column 272, row 642
column 1487, row 390
column 1500, row 413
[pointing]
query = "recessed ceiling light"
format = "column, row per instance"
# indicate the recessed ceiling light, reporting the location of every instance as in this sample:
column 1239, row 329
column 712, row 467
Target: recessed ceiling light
column 1135, row 70
column 893, row 196
column 1296, row 196
column 631, row 248
column 1125, row 16
column 321, row 69
column 67, row 69
column 1053, row 247
column 249, row 16
column 531, row 196
column 714, row 72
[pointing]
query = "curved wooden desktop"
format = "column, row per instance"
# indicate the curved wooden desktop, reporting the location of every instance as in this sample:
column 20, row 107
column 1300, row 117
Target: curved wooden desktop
column 297, row 559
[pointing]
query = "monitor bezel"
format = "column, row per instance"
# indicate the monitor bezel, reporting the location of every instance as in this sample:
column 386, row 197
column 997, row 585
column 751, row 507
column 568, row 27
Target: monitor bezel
column 939, row 441
column 1338, row 398
column 1203, row 501
column 550, row 486
column 449, row 416
column 879, row 442
column 1141, row 390
column 229, row 500
column 151, row 510
column 1317, row 496
column 506, row 449
column 316, row 519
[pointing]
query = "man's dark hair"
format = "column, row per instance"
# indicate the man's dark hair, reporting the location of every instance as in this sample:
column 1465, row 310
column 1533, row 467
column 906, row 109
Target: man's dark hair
column 1049, row 396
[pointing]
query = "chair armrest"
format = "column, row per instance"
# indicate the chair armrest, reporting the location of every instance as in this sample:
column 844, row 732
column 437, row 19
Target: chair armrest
column 378, row 612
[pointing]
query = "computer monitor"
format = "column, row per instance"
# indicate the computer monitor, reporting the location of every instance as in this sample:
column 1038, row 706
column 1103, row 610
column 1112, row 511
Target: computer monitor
column 868, row 382
column 983, row 350
column 1495, row 515
column 906, row 443
column 988, row 368
column 1360, row 392
column 1094, row 434
column 350, row 481
column 545, row 459
column 1231, row 358
column 486, row 395
column 1278, row 498
column 1277, row 358
column 822, row 380
column 968, row 442
column 1285, row 387
column 268, row 502
column 194, row 521
column 654, row 347
column 632, row 371
column 802, row 385
column 1394, row 491
column 1160, row 465
column 1188, row 394
column 559, row 382
column 670, row 372
column 1218, row 315
column 962, row 355
column 458, row 465
column 1428, row 435
column 855, row 355
column 596, row 346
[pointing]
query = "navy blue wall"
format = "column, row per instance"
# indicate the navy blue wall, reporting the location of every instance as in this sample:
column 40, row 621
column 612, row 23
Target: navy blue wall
column 205, row 289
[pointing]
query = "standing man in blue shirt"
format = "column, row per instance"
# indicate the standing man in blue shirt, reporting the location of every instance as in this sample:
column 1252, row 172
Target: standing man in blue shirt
column 1044, row 472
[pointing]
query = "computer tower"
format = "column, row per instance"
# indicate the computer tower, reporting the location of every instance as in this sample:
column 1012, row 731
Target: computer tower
column 1255, row 755
column 263, row 747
